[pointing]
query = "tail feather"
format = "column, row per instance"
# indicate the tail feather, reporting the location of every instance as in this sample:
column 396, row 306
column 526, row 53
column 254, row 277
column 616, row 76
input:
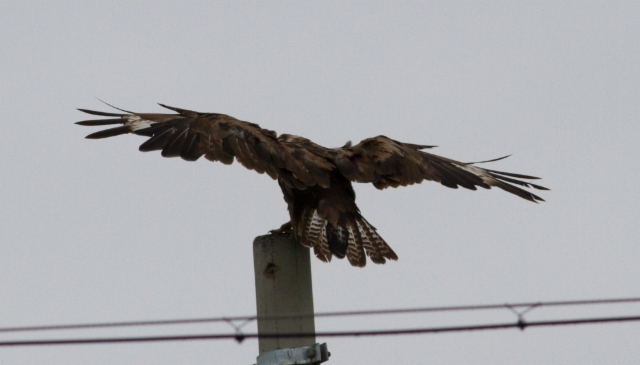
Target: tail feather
column 314, row 234
column 355, row 252
column 376, row 254
column 338, row 240
column 321, row 249
column 302, row 230
column 360, row 243
column 381, row 245
column 368, row 246
column 355, row 239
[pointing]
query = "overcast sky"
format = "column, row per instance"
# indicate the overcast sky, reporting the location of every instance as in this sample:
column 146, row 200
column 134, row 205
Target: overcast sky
column 96, row 231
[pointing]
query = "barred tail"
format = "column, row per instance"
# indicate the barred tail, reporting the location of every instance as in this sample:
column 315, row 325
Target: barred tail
column 353, row 237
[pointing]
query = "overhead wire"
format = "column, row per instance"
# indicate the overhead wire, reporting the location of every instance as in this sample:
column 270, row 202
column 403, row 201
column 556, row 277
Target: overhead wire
column 527, row 305
column 240, row 337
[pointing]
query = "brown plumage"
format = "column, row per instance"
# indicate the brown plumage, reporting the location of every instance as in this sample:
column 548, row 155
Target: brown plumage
column 315, row 181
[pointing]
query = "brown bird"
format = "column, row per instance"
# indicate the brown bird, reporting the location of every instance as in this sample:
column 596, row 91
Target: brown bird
column 315, row 180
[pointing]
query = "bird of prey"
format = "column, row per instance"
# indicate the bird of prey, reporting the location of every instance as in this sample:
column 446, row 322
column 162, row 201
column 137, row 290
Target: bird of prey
column 315, row 180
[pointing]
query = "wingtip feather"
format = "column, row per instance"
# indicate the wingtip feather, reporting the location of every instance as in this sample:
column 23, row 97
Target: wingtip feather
column 104, row 114
column 98, row 122
column 109, row 133
column 185, row 112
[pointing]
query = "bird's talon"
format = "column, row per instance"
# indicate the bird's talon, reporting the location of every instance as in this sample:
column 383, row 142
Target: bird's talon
column 285, row 229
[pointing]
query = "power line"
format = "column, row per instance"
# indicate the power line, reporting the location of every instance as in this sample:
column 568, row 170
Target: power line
column 393, row 332
column 527, row 305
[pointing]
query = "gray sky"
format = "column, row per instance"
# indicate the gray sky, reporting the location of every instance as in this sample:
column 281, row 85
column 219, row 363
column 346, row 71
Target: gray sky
column 96, row 231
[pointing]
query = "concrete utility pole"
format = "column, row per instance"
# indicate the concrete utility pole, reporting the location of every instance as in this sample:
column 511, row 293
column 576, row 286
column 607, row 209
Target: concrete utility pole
column 283, row 287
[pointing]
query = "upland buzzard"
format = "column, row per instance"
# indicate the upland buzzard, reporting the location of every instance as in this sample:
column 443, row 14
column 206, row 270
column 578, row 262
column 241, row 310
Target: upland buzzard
column 315, row 180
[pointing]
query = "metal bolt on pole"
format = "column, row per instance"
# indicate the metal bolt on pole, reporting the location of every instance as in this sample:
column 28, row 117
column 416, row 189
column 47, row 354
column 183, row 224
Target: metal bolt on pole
column 283, row 287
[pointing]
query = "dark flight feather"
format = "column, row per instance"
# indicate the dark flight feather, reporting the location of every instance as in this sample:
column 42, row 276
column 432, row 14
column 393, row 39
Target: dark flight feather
column 109, row 132
column 104, row 114
column 513, row 175
column 97, row 122
column 190, row 150
column 174, row 144
column 157, row 142
column 495, row 159
column 184, row 112
column 518, row 182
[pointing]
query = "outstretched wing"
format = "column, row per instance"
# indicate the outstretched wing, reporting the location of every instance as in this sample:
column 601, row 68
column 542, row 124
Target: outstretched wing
column 389, row 163
column 297, row 161
column 218, row 137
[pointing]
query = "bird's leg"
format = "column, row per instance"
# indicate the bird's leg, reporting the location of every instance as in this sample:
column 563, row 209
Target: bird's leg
column 285, row 229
